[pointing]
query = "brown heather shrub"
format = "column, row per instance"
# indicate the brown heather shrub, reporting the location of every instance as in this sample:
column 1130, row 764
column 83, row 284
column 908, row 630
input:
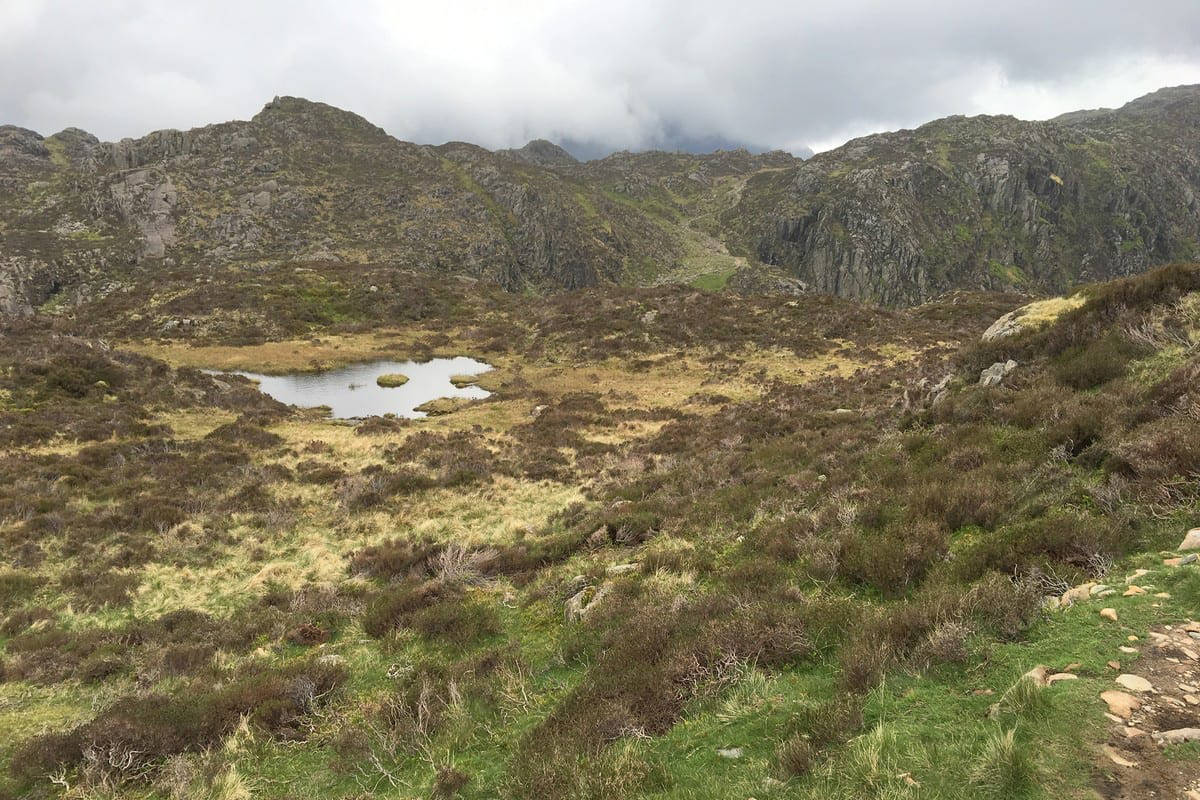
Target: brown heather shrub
column 433, row 609
column 182, row 659
column 20, row 620
column 945, row 644
column 1000, row 605
column 93, row 590
column 375, row 485
column 814, row 730
column 449, row 782
column 396, row 558
column 100, row 665
column 957, row 500
column 139, row 732
column 1161, row 450
column 319, row 472
column 795, row 756
column 244, row 431
column 862, row 662
column 1068, row 538
column 16, row 587
column 893, row 559
column 1090, row 365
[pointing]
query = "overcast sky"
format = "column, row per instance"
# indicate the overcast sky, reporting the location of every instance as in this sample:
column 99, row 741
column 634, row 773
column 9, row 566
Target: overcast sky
column 605, row 75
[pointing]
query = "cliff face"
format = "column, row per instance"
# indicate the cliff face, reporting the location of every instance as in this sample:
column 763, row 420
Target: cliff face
column 985, row 202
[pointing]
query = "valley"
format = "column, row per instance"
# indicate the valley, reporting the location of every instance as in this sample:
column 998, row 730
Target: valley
column 871, row 475
column 691, row 544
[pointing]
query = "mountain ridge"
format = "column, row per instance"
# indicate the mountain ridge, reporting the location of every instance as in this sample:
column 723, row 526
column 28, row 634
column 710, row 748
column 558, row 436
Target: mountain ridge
column 983, row 202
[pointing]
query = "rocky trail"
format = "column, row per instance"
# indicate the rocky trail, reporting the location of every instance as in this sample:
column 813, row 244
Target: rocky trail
column 1152, row 697
column 1153, row 709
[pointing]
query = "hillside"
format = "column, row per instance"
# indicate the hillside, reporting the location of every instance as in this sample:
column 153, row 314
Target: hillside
column 303, row 180
column 693, row 545
column 895, row 218
column 985, row 203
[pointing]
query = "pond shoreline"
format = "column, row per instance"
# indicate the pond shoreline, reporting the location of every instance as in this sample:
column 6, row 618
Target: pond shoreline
column 352, row 391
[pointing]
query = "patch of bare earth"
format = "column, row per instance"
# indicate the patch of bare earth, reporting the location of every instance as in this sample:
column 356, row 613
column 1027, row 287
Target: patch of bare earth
column 1154, row 709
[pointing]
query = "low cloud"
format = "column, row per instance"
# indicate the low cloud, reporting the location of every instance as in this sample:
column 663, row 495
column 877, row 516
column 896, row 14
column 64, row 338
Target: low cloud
column 604, row 76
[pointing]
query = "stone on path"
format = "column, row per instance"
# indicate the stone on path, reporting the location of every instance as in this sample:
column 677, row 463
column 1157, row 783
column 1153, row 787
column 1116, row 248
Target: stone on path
column 1122, row 704
column 1061, row 676
column 1179, row 736
column 1117, row 758
column 1134, row 683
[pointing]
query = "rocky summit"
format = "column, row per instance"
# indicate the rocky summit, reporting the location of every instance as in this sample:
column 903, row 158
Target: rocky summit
column 895, row 218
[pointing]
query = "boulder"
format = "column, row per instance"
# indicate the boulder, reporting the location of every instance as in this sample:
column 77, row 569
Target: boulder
column 1073, row 595
column 1178, row 736
column 1191, row 541
column 1031, row 317
column 993, row 375
column 585, row 601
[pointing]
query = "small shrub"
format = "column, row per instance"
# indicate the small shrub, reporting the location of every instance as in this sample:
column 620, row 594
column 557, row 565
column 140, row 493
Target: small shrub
column 449, row 781
column 1004, row 767
column 1093, row 364
column 16, row 586
column 945, row 644
column 795, row 756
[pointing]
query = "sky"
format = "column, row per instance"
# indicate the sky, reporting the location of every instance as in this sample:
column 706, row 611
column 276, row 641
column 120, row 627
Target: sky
column 600, row 76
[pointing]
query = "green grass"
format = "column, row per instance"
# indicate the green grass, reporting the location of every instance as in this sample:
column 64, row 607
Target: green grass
column 714, row 281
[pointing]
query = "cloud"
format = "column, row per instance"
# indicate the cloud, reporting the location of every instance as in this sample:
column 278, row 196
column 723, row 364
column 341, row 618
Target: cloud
column 605, row 75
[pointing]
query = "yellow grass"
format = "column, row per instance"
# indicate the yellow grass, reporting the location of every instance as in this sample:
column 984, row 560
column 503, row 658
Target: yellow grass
column 290, row 355
column 1042, row 312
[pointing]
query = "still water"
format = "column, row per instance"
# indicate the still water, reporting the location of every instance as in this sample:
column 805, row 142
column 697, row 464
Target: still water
column 352, row 392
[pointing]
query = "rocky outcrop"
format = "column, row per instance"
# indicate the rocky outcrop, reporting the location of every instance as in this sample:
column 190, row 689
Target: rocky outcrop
column 541, row 153
column 986, row 203
column 146, row 199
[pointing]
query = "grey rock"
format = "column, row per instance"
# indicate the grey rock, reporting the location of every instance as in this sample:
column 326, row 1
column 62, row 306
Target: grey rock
column 1178, row 736
column 993, row 375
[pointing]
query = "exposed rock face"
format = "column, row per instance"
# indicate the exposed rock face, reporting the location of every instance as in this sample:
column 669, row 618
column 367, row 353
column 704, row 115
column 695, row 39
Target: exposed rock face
column 986, row 202
column 304, row 180
column 542, row 153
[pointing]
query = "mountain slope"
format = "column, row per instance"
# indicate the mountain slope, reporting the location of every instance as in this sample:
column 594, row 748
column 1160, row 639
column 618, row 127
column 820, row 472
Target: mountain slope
column 895, row 218
column 985, row 202
column 304, row 180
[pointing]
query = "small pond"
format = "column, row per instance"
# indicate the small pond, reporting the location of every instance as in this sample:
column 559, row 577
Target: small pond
column 351, row 391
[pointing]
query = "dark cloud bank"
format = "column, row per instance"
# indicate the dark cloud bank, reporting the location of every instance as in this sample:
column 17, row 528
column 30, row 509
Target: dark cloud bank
column 596, row 76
